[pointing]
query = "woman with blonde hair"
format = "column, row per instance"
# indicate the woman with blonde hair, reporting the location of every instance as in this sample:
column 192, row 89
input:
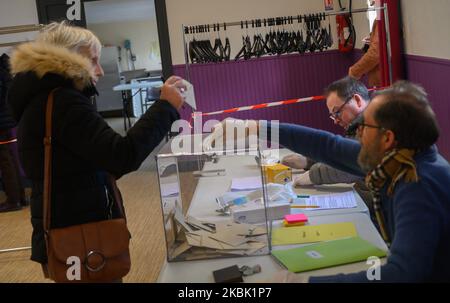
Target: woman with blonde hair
column 86, row 151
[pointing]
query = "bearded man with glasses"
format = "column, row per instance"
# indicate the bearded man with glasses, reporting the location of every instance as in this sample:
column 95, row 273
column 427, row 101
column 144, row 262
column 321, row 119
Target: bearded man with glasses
column 407, row 176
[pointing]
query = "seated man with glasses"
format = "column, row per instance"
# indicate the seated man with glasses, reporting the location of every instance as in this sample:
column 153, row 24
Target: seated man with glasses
column 409, row 180
column 346, row 100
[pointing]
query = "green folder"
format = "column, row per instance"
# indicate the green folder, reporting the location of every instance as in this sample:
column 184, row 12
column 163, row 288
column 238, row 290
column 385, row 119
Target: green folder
column 327, row 254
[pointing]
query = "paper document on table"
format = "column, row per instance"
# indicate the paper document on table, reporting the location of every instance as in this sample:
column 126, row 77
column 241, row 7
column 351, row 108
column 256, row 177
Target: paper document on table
column 313, row 233
column 332, row 201
column 243, row 184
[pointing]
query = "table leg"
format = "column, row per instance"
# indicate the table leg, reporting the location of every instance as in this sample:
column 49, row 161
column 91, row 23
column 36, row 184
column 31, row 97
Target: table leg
column 124, row 109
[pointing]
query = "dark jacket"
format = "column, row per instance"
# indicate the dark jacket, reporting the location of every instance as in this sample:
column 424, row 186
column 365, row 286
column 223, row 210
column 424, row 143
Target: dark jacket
column 85, row 148
column 6, row 121
column 417, row 214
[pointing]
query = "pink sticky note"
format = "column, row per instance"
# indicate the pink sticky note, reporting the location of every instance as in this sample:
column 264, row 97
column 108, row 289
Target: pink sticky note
column 290, row 219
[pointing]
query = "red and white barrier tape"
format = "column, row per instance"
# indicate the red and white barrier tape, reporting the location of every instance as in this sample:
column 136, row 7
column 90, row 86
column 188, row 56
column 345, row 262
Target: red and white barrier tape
column 266, row 105
column 8, row 142
column 260, row 106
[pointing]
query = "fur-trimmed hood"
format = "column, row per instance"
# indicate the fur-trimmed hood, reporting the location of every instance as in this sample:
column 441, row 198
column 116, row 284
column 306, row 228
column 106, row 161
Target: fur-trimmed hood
column 43, row 58
column 39, row 68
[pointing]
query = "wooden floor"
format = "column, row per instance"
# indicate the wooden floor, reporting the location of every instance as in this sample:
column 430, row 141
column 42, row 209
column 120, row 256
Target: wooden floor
column 142, row 203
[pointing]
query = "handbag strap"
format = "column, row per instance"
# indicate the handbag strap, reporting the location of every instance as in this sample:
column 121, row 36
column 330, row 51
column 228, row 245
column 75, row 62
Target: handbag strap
column 117, row 196
column 47, row 196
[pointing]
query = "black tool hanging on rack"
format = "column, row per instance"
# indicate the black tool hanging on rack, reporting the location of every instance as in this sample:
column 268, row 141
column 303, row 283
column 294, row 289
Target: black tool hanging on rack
column 202, row 51
column 262, row 37
column 279, row 40
column 224, row 50
column 246, row 50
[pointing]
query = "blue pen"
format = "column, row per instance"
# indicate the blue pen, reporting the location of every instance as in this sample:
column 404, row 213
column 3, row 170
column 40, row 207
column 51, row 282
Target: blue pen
column 302, row 196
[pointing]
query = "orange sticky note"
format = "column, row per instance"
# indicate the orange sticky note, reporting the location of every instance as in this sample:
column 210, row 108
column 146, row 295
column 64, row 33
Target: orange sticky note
column 285, row 224
column 296, row 218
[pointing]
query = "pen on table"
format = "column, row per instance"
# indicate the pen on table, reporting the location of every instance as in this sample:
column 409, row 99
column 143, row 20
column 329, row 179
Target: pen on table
column 303, row 196
column 305, row 206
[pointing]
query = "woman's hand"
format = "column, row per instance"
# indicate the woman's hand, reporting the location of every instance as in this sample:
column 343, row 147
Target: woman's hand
column 172, row 91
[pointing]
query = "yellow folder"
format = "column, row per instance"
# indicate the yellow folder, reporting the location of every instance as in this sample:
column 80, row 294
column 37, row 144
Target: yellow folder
column 313, row 233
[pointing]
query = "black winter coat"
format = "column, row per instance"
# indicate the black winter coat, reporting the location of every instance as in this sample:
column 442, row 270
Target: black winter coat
column 85, row 148
column 6, row 121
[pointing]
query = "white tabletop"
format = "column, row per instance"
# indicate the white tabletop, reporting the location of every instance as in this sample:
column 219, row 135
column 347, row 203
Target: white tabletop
column 203, row 203
column 201, row 271
column 203, row 206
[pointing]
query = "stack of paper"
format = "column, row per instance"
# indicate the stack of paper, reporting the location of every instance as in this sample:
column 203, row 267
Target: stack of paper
column 246, row 184
column 205, row 239
column 323, row 202
column 295, row 220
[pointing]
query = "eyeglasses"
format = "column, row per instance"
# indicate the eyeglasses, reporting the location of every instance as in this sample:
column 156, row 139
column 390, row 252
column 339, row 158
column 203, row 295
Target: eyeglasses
column 337, row 114
column 360, row 125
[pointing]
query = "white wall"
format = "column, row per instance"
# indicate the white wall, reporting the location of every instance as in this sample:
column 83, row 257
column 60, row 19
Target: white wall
column 426, row 27
column 17, row 12
column 143, row 36
column 194, row 12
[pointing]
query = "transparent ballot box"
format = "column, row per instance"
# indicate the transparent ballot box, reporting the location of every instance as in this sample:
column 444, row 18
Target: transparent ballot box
column 216, row 204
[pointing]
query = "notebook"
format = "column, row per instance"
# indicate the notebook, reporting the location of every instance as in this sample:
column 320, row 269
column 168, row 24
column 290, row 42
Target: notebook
column 327, row 254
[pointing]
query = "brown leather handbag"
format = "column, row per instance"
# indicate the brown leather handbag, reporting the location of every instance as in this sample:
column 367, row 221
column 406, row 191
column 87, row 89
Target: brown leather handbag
column 101, row 248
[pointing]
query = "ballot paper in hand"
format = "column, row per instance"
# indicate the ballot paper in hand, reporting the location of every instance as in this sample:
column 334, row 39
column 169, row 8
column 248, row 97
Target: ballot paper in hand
column 189, row 95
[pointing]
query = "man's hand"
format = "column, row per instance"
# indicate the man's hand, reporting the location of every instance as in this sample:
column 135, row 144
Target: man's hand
column 231, row 130
column 172, row 91
column 295, row 161
column 302, row 180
